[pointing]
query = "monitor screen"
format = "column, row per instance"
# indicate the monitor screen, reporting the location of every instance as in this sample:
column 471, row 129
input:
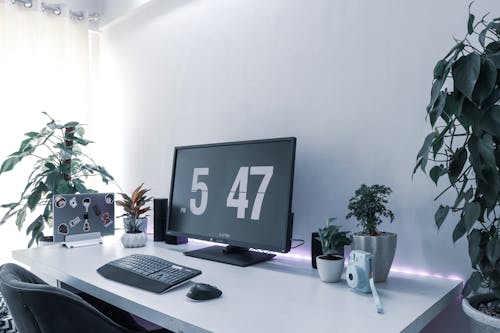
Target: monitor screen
column 236, row 193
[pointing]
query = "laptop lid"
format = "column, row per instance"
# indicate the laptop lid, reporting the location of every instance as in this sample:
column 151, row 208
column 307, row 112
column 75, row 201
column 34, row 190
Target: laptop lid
column 83, row 213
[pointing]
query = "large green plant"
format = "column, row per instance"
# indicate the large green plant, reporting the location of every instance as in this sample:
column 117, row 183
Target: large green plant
column 368, row 206
column 464, row 113
column 60, row 167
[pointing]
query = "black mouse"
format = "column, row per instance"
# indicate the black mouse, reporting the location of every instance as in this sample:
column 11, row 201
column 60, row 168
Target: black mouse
column 203, row 292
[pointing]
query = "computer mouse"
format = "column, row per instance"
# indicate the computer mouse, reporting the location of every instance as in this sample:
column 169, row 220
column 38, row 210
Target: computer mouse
column 203, row 292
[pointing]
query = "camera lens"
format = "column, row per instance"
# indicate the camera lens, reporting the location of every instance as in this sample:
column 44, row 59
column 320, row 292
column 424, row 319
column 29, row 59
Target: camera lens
column 350, row 276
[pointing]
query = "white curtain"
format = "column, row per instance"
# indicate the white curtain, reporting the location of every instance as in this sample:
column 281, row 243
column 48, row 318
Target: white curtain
column 44, row 66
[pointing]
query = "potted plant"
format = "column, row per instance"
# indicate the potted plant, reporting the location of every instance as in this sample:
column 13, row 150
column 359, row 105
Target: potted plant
column 59, row 167
column 464, row 148
column 331, row 263
column 368, row 206
column 135, row 222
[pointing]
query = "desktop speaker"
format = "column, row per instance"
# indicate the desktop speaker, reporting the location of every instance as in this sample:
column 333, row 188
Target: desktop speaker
column 160, row 207
column 316, row 249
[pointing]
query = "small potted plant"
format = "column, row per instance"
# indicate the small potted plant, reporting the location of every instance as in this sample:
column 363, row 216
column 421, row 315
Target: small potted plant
column 331, row 263
column 368, row 206
column 135, row 222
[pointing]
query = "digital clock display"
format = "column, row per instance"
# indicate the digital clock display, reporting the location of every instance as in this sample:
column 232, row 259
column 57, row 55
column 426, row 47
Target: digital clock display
column 236, row 193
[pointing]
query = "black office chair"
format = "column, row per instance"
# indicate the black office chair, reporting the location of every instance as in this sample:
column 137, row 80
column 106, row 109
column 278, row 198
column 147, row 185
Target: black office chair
column 40, row 308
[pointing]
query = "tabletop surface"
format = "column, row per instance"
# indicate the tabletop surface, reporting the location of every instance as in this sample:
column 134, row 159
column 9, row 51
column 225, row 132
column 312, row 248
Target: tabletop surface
column 284, row 294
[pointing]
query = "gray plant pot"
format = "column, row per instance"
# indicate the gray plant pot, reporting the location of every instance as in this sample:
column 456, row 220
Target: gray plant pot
column 479, row 321
column 383, row 248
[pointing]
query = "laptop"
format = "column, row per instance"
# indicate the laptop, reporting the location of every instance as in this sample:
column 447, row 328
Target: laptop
column 81, row 214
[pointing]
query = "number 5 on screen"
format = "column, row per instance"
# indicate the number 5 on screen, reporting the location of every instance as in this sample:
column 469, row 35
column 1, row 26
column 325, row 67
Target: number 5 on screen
column 199, row 186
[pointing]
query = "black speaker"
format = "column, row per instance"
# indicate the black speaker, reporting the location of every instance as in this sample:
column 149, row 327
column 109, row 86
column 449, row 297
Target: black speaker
column 160, row 208
column 316, row 249
column 160, row 218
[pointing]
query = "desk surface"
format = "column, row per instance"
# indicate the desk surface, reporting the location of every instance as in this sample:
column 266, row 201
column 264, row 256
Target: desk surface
column 283, row 295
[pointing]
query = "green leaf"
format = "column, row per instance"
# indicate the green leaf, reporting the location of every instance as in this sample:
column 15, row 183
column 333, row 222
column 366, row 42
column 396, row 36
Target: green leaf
column 470, row 24
column 72, row 124
column 11, row 205
column 440, row 215
column 436, row 172
column 453, row 104
column 487, row 150
column 485, row 82
column 440, row 68
column 495, row 58
column 472, row 284
column 459, row 231
column 472, row 115
column 493, row 47
column 435, row 92
column 493, row 250
column 82, row 141
column 471, row 213
column 36, row 223
column 8, row 164
column 31, row 134
column 436, row 111
column 466, row 73
column 491, row 121
column 424, row 151
column 474, row 247
column 34, row 199
column 20, row 218
column 457, row 164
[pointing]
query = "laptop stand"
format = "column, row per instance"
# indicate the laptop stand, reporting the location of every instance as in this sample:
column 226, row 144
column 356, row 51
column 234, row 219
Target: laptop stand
column 80, row 240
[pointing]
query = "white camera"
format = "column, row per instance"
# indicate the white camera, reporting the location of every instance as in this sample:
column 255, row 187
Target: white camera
column 359, row 275
column 359, row 270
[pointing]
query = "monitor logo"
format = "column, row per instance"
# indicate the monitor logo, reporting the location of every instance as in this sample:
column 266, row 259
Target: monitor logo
column 183, row 210
column 224, row 235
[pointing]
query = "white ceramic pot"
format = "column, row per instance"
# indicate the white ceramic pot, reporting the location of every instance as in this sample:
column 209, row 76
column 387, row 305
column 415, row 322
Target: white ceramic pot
column 134, row 240
column 330, row 270
column 479, row 321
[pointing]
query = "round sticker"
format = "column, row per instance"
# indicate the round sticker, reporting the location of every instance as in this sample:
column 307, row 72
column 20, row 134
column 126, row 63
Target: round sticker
column 60, row 201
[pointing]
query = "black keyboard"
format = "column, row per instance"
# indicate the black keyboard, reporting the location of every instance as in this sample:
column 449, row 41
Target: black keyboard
column 147, row 272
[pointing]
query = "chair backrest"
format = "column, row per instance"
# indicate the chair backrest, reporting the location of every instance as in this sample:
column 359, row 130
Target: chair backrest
column 39, row 308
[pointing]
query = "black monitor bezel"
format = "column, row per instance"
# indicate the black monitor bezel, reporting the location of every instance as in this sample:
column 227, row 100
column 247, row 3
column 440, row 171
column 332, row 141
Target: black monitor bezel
column 289, row 227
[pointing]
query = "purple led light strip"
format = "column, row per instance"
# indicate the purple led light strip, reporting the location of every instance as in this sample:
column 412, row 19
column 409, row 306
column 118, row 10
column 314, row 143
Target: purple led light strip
column 395, row 269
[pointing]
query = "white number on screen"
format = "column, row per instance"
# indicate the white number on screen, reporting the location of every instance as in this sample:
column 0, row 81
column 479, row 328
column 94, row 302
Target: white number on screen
column 239, row 187
column 237, row 197
column 198, row 185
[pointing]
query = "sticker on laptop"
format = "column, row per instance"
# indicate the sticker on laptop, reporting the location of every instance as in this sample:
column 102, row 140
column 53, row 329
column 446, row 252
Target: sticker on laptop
column 97, row 210
column 109, row 198
column 106, row 219
column 73, row 203
column 59, row 201
column 63, row 229
column 75, row 221
column 86, row 226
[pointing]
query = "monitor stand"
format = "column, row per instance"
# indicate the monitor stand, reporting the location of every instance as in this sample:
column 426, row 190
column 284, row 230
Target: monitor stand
column 234, row 255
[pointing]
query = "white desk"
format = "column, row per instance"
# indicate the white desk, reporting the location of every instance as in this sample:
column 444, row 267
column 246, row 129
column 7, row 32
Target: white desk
column 283, row 295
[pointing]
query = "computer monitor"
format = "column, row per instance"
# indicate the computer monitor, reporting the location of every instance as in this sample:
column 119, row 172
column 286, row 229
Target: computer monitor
column 235, row 193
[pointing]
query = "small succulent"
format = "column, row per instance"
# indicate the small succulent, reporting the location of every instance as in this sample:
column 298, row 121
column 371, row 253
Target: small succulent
column 332, row 240
column 135, row 208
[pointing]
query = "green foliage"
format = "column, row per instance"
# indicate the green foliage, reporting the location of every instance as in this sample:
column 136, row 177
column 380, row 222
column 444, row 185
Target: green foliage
column 134, row 207
column 368, row 206
column 332, row 240
column 464, row 145
column 60, row 167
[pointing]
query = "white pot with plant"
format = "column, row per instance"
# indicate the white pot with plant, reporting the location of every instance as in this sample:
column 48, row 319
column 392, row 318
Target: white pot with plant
column 135, row 222
column 368, row 206
column 331, row 263
column 464, row 145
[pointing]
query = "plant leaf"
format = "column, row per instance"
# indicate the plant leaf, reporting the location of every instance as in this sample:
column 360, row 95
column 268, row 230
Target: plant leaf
column 9, row 164
column 471, row 214
column 466, row 73
column 493, row 250
column 459, row 231
column 485, row 82
column 470, row 24
column 495, row 58
column 472, row 284
column 474, row 248
column 424, row 151
column 21, row 217
column 457, row 164
column 440, row 215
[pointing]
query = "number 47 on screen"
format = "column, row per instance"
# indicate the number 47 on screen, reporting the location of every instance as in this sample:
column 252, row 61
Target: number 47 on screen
column 237, row 196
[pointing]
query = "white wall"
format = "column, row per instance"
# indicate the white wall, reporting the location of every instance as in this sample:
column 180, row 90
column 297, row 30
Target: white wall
column 349, row 79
